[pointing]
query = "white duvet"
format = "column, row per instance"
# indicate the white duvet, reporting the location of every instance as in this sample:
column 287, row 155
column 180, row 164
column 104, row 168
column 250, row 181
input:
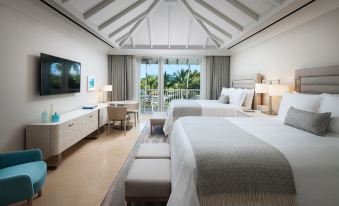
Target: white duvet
column 314, row 160
column 208, row 108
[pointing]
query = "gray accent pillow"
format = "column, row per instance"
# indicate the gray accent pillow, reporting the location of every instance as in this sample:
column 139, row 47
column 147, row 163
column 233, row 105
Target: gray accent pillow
column 316, row 123
column 224, row 99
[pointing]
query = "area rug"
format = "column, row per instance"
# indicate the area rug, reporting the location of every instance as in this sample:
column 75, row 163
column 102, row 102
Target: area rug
column 116, row 194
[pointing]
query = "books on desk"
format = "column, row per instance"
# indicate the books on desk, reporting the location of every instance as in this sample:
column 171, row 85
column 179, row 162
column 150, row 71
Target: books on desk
column 89, row 106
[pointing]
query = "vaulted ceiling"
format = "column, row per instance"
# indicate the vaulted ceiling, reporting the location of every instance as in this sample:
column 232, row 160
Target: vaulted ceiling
column 171, row 24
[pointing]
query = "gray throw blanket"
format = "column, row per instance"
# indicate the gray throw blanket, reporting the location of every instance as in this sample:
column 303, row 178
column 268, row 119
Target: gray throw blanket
column 190, row 108
column 237, row 167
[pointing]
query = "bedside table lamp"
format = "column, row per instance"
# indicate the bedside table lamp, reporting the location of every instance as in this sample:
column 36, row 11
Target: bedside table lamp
column 107, row 88
column 276, row 90
column 261, row 89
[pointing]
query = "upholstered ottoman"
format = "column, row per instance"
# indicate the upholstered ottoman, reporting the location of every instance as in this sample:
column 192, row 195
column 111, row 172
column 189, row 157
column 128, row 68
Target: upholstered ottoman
column 158, row 118
column 148, row 180
column 153, row 151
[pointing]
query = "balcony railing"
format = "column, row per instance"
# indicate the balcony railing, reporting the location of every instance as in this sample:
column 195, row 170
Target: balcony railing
column 150, row 97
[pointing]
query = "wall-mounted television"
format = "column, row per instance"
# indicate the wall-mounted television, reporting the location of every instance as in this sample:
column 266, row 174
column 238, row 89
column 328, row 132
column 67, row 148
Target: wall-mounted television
column 58, row 75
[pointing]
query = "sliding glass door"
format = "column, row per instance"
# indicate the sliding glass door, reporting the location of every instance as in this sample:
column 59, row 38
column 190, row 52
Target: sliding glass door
column 165, row 79
column 181, row 79
column 149, row 85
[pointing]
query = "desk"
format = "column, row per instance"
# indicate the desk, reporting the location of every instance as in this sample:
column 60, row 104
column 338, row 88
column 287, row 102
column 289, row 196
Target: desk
column 123, row 103
column 132, row 107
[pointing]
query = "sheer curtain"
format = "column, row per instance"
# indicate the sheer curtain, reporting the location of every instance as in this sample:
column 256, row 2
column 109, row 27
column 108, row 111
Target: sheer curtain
column 217, row 75
column 121, row 74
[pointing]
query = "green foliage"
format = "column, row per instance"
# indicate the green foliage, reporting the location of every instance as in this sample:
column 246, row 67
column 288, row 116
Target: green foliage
column 182, row 79
column 151, row 83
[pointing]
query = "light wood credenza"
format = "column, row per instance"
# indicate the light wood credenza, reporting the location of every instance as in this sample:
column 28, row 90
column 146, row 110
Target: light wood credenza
column 54, row 138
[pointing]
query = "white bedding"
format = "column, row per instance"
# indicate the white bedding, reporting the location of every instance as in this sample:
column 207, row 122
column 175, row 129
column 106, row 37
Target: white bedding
column 208, row 108
column 314, row 160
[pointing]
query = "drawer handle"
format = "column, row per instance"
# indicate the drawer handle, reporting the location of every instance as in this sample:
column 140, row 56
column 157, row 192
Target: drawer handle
column 71, row 124
column 90, row 116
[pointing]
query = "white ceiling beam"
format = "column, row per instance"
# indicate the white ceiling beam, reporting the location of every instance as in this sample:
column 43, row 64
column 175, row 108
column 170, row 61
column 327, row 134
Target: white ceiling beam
column 206, row 41
column 136, row 26
column 220, row 15
column 169, row 26
column 149, row 32
column 120, row 14
column 244, row 9
column 125, row 36
column 136, row 19
column 95, row 9
column 216, row 40
column 130, row 33
column 189, row 31
column 132, row 41
column 206, row 21
column 190, row 11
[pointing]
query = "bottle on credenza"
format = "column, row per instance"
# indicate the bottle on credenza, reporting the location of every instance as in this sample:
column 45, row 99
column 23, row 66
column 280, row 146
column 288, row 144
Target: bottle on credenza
column 50, row 113
column 44, row 117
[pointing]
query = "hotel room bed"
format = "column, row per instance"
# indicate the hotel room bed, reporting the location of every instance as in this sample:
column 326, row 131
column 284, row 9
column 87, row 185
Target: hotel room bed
column 183, row 108
column 313, row 160
column 261, row 161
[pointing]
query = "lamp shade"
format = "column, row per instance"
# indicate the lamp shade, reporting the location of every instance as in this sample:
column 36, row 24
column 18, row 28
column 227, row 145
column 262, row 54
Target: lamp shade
column 107, row 88
column 277, row 89
column 261, row 88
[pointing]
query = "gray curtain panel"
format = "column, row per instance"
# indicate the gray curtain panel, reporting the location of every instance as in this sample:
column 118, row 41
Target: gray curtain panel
column 217, row 75
column 120, row 75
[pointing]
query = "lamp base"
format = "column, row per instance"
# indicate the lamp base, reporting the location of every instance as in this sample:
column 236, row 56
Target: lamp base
column 269, row 113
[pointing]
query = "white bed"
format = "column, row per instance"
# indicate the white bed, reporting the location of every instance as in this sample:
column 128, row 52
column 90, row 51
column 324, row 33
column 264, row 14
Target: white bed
column 314, row 159
column 208, row 108
column 182, row 108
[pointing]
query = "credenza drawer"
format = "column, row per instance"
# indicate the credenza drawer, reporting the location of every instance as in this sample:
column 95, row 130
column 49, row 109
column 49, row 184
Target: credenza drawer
column 66, row 134
column 89, row 123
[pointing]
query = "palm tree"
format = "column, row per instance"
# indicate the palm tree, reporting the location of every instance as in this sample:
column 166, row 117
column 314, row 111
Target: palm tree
column 180, row 78
column 168, row 81
column 150, row 82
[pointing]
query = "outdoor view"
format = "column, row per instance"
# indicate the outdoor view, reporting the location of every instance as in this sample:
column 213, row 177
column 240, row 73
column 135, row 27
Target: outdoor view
column 181, row 80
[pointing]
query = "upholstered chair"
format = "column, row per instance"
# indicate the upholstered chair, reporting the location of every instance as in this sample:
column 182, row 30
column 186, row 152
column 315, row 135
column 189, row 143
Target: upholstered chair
column 134, row 109
column 22, row 175
column 116, row 114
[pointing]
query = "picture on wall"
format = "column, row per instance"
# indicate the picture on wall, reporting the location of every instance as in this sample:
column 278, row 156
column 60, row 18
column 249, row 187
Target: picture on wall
column 90, row 83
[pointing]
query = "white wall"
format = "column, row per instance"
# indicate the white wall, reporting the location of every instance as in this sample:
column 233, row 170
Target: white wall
column 311, row 44
column 27, row 29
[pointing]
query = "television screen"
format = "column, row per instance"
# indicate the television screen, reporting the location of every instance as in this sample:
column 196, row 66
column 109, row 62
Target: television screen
column 58, row 75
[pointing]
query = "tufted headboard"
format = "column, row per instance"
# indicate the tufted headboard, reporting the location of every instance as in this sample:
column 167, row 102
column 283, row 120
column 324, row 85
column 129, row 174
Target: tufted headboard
column 248, row 81
column 317, row 80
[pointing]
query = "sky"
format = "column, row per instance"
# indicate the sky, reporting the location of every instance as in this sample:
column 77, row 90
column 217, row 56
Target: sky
column 169, row 68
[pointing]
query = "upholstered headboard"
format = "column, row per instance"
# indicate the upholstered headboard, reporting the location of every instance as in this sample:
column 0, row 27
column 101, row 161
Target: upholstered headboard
column 317, row 80
column 248, row 82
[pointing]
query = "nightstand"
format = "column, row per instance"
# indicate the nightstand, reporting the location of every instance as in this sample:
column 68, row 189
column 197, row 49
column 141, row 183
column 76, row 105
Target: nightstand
column 256, row 113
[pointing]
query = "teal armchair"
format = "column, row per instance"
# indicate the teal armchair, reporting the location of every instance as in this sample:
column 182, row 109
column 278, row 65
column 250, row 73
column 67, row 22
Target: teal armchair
column 22, row 175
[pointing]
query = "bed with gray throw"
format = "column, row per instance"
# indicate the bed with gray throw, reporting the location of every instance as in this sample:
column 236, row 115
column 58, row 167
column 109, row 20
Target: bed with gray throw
column 251, row 161
column 184, row 108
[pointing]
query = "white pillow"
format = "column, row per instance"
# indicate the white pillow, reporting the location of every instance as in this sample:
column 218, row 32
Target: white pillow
column 249, row 94
column 237, row 96
column 306, row 102
column 329, row 103
column 226, row 91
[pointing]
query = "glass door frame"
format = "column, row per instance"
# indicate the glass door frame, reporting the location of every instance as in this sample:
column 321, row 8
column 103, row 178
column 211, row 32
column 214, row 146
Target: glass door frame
column 161, row 72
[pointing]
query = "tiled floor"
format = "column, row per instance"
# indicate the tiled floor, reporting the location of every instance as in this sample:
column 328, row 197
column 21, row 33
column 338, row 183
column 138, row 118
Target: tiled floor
column 88, row 169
